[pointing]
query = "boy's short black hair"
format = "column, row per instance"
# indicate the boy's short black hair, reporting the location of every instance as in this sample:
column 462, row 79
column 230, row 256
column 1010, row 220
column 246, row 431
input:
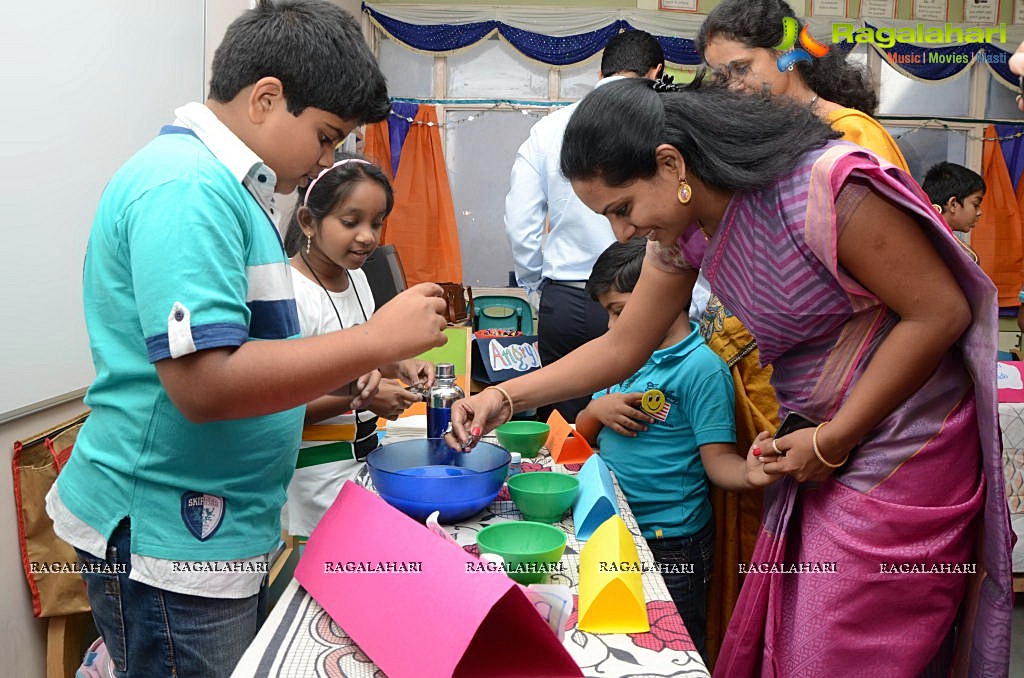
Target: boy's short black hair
column 314, row 48
column 947, row 180
column 618, row 268
column 632, row 51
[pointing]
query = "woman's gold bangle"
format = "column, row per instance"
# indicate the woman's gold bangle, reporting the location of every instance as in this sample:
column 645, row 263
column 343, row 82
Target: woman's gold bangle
column 508, row 399
column 817, row 451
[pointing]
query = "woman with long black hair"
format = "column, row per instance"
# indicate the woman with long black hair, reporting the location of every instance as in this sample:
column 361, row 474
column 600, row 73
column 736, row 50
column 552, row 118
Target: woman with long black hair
column 880, row 329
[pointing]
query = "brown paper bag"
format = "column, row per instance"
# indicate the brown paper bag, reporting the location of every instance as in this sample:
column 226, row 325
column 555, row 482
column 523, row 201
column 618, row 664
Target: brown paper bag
column 36, row 463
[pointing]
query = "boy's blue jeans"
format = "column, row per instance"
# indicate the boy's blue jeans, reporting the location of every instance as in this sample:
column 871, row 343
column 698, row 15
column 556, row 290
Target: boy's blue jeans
column 151, row 633
column 689, row 590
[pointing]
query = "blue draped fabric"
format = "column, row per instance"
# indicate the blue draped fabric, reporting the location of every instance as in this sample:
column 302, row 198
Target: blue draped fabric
column 548, row 49
column 559, row 51
column 939, row 63
column 398, row 129
column 680, row 51
column 931, row 63
column 927, row 63
column 436, row 37
column 1013, row 150
column 999, row 62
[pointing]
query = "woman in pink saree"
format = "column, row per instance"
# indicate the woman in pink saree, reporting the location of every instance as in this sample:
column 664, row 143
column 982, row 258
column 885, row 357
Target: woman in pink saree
column 884, row 549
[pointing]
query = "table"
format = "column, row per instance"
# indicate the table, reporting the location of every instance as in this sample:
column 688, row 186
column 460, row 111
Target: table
column 299, row 639
column 1011, row 424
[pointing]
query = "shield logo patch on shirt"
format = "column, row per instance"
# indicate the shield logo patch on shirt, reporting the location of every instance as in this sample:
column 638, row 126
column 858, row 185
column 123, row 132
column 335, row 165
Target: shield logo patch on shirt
column 202, row 513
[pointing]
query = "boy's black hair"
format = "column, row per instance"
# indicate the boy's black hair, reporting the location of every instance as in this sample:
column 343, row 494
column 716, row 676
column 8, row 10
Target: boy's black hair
column 331, row 189
column 314, row 48
column 945, row 180
column 632, row 52
column 618, row 268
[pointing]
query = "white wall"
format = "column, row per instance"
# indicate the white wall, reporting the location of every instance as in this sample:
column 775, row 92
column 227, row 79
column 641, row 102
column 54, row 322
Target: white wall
column 22, row 637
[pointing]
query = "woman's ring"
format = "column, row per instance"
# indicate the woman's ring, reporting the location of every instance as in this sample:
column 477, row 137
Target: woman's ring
column 777, row 450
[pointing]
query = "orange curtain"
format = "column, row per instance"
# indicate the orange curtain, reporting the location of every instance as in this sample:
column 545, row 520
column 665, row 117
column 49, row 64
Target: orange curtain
column 422, row 225
column 1020, row 211
column 377, row 146
column 997, row 238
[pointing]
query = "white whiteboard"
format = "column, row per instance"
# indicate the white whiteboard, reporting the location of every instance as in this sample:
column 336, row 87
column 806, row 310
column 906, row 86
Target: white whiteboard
column 85, row 85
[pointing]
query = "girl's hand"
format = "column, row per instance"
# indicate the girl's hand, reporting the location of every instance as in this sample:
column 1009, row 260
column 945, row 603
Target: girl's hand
column 415, row 372
column 797, row 458
column 621, row 413
column 361, row 390
column 472, row 417
column 391, row 400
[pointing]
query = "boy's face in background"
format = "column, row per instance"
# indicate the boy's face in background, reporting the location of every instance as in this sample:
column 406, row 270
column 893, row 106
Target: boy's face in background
column 298, row 147
column 613, row 302
column 963, row 216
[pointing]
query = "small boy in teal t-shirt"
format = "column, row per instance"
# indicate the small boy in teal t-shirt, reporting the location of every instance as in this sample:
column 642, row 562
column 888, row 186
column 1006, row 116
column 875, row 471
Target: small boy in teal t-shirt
column 662, row 431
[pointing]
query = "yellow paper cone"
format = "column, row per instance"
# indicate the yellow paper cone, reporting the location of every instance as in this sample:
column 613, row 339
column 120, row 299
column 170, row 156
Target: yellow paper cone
column 611, row 584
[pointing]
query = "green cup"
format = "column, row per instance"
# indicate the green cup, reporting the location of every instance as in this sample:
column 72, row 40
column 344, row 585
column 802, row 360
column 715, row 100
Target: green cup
column 543, row 496
column 531, row 550
column 524, row 437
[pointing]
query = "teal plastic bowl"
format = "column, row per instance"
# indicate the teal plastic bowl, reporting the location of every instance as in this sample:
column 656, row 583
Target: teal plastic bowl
column 524, row 437
column 543, row 496
column 531, row 550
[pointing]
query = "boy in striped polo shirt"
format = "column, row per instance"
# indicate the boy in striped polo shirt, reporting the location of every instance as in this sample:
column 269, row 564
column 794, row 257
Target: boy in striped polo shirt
column 178, row 477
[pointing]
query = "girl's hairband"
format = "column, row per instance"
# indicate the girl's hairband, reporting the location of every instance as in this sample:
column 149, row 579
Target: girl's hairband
column 345, row 161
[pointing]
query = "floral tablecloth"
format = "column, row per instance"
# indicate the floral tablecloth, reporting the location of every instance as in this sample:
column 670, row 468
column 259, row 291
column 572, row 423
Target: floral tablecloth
column 299, row 639
column 1011, row 422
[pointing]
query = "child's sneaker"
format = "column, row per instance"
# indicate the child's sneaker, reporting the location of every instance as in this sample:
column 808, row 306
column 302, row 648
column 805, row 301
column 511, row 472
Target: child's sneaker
column 97, row 662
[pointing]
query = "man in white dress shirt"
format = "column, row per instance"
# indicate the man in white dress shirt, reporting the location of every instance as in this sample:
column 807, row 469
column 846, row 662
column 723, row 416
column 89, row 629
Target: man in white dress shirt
column 555, row 238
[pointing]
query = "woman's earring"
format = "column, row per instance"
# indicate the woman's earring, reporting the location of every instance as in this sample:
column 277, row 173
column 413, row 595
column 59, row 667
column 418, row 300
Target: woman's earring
column 309, row 241
column 685, row 192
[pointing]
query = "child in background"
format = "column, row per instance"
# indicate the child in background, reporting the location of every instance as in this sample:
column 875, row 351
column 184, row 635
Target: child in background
column 330, row 236
column 956, row 192
column 173, row 495
column 660, row 431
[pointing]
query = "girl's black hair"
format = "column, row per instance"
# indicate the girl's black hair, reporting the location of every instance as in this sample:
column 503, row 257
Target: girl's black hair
column 758, row 23
column 332, row 189
column 729, row 139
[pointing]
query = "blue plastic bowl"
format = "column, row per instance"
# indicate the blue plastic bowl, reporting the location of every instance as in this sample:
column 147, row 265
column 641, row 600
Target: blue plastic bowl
column 419, row 477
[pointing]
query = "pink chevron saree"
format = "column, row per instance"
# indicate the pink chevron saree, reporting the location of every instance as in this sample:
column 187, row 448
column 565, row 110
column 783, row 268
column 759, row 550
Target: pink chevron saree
column 870, row 572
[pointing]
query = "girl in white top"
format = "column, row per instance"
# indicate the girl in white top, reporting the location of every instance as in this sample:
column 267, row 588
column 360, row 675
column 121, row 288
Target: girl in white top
column 337, row 226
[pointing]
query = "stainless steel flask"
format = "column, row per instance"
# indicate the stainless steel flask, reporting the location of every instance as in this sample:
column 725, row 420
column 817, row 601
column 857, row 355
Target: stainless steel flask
column 442, row 394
